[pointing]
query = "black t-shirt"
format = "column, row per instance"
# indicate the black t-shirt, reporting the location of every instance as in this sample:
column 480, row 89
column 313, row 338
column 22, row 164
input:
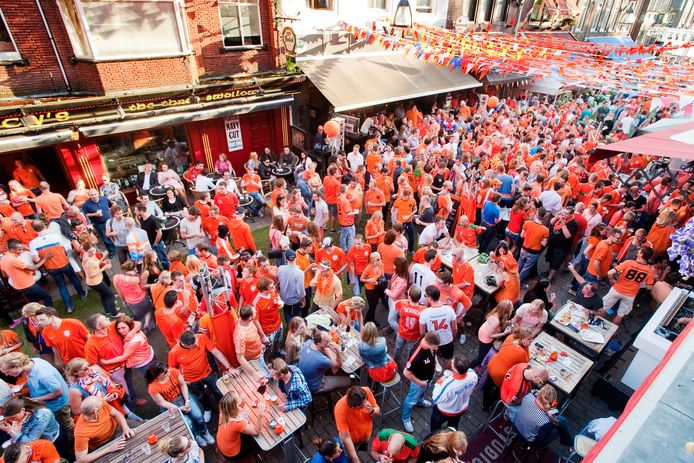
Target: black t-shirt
column 427, row 215
column 176, row 206
column 557, row 239
column 422, row 363
column 151, row 225
column 640, row 201
column 592, row 303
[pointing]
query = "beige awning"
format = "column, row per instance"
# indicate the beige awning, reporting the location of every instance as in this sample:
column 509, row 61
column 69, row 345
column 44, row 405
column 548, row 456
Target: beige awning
column 357, row 81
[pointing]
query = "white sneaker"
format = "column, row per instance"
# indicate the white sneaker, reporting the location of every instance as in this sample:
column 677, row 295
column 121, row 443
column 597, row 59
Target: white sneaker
column 201, row 442
column 261, row 214
column 207, row 415
column 407, row 424
column 424, row 403
column 208, row 437
column 463, row 338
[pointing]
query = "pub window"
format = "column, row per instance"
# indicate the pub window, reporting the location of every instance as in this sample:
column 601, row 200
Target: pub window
column 424, row 6
column 8, row 49
column 320, row 4
column 377, row 4
column 123, row 29
column 240, row 23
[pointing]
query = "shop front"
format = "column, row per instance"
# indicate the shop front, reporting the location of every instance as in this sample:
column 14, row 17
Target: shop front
column 73, row 142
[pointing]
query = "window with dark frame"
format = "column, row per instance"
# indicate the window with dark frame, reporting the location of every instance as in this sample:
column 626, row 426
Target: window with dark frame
column 240, row 23
column 8, row 48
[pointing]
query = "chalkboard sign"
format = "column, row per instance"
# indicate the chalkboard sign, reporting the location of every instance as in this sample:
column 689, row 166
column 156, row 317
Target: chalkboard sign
column 452, row 219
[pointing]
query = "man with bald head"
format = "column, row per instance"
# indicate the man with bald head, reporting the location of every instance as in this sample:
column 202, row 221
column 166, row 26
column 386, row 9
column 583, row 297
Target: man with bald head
column 519, row 380
column 51, row 204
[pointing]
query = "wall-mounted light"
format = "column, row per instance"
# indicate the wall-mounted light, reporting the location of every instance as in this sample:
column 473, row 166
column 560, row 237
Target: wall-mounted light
column 75, row 134
column 403, row 15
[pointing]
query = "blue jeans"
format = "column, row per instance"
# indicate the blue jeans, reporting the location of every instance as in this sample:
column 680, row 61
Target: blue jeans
column 259, row 199
column 415, row 396
column 526, row 262
column 356, row 288
column 197, row 389
column 36, row 293
column 59, row 277
column 101, row 230
column 194, row 418
column 401, row 343
column 347, row 237
column 161, row 254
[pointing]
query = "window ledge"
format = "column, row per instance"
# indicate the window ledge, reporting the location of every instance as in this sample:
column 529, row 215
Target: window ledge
column 14, row 62
column 77, row 59
column 243, row 48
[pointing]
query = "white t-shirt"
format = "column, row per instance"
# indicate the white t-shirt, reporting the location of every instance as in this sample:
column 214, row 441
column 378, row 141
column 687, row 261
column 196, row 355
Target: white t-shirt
column 193, row 227
column 204, row 183
column 422, row 276
column 430, row 234
column 627, row 124
column 355, row 159
column 551, row 201
column 439, row 319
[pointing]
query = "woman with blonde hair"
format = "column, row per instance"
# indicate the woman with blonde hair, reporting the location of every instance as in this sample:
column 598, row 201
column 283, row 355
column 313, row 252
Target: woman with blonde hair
column 443, row 444
column 253, row 160
column 296, row 336
column 194, row 266
column 93, row 381
column 537, row 419
column 222, row 164
column 160, row 288
column 234, row 432
column 532, row 316
column 21, row 199
column 496, row 325
column 372, row 276
column 660, row 235
column 151, row 269
column 79, row 195
column 180, row 449
column 374, row 350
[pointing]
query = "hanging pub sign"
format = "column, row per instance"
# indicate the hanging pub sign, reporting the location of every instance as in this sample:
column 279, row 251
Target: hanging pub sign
column 232, row 125
column 289, row 40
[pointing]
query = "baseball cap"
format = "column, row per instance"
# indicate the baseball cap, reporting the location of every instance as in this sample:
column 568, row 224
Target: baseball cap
column 289, row 254
column 327, row 242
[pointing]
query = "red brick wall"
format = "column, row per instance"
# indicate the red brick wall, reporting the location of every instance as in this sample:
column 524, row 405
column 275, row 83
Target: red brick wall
column 209, row 60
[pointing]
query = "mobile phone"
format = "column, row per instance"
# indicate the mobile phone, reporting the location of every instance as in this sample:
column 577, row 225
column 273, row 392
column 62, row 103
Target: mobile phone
column 262, row 388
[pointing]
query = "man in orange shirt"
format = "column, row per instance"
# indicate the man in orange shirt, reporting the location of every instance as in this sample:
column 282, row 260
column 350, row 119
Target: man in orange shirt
column 462, row 272
column 535, row 237
column 51, row 204
column 375, row 230
column 29, row 176
column 66, row 336
column 357, row 258
column 601, row 260
column 21, row 275
column 355, row 194
column 203, row 204
column 268, row 305
column 240, row 233
column 251, row 185
column 345, row 217
column 374, row 198
column 331, row 189
column 353, row 418
column 190, row 356
column 38, row 451
column 98, row 424
column 403, row 212
column 21, row 229
column 373, row 158
column 105, row 343
column 168, row 321
column 626, row 281
column 334, row 255
column 297, row 225
column 225, row 200
column 210, row 224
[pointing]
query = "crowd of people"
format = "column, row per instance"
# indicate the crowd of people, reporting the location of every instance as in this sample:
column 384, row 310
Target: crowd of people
column 515, row 177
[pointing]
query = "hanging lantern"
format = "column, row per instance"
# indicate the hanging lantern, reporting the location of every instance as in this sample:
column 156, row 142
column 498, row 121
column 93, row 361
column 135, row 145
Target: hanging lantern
column 331, row 129
column 403, row 15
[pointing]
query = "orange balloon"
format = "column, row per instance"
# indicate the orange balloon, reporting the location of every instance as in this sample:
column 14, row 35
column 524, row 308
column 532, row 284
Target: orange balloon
column 331, row 128
column 492, row 102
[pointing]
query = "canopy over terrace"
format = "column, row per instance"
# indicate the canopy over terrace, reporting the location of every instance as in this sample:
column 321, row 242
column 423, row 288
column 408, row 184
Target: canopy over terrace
column 675, row 142
column 357, row 81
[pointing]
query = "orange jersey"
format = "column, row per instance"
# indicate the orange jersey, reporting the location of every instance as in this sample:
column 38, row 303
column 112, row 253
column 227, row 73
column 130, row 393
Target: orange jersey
column 68, row 339
column 632, row 275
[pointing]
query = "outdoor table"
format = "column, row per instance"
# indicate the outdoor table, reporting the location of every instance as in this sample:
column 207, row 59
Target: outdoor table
column 282, row 171
column 160, row 190
column 169, row 222
column 245, row 200
column 350, row 343
column 446, row 255
column 137, row 450
column 247, row 390
column 214, row 176
column 568, row 322
column 481, row 273
column 565, row 373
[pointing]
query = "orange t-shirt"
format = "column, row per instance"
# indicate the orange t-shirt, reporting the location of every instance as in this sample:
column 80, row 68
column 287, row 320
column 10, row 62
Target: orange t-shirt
column 356, row 197
column 357, row 422
column 192, row 362
column 170, row 390
column 372, row 158
column 337, row 257
column 42, row 451
column 631, row 276
column 248, row 289
column 275, row 194
column 247, row 341
column 92, row 435
column 388, row 254
column 211, row 226
column 405, row 208
column 535, row 233
column 27, row 176
column 603, row 255
column 372, row 272
column 344, row 212
column 374, row 196
column 268, row 312
column 418, row 257
column 170, row 325
column 8, row 338
column 251, row 178
column 51, row 204
column 462, row 273
column 443, row 203
column 467, row 235
column 331, row 188
column 23, row 233
column 178, row 266
column 359, row 257
column 372, row 228
column 17, row 271
column 508, row 356
column 104, row 347
column 342, row 308
column 510, row 289
column 229, row 437
column 69, row 338
column 204, row 209
column 660, row 238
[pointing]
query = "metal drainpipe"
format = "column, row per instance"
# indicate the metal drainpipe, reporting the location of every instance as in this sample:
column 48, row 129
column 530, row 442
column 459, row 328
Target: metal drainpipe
column 55, row 48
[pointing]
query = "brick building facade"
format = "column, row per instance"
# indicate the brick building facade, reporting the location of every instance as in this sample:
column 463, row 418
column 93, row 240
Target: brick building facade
column 151, row 71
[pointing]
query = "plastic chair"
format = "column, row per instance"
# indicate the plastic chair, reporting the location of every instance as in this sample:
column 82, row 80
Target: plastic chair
column 386, row 389
column 582, row 445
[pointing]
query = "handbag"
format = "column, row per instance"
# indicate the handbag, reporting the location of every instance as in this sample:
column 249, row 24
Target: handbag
column 382, row 283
